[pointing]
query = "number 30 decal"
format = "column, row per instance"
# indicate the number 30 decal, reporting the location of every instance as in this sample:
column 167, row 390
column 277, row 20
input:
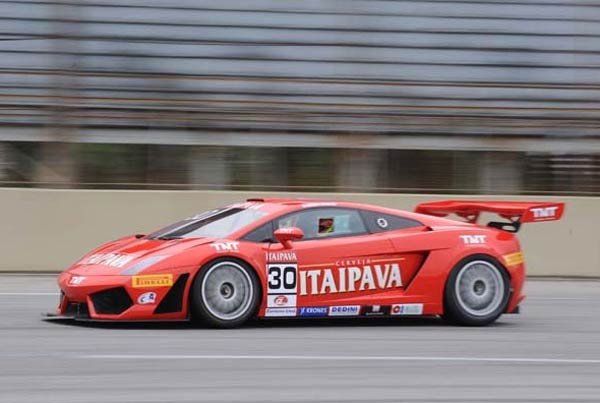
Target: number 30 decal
column 281, row 278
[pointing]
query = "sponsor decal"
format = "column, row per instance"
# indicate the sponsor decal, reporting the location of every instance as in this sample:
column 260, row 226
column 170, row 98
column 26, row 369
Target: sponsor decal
column 407, row 309
column 281, row 300
column 353, row 262
column 319, row 204
column 282, row 257
column 108, row 259
column 375, row 310
column 313, row 311
column 151, row 281
column 282, row 282
column 147, row 298
column 280, row 312
column 76, row 280
column 382, row 222
column 253, row 205
column 225, row 246
column 544, row 213
column 282, row 278
column 513, row 259
column 473, row 239
column 205, row 214
column 350, row 279
column 344, row 310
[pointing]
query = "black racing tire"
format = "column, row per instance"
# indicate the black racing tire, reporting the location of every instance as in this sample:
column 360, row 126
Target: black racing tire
column 477, row 291
column 225, row 294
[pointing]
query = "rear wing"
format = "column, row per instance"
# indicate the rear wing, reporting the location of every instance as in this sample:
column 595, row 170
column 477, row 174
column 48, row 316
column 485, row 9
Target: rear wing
column 515, row 212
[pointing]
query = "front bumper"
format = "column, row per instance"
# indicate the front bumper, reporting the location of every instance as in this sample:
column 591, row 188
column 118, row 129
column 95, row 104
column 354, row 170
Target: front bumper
column 115, row 298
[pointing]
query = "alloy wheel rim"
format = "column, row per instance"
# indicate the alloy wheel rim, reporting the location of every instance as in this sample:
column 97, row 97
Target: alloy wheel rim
column 479, row 288
column 227, row 291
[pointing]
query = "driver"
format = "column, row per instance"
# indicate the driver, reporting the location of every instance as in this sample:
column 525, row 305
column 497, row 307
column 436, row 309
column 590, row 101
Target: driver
column 326, row 226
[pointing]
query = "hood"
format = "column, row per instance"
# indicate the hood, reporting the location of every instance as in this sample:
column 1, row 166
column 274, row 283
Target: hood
column 131, row 255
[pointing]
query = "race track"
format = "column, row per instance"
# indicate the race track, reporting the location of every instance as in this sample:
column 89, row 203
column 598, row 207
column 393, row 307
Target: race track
column 551, row 352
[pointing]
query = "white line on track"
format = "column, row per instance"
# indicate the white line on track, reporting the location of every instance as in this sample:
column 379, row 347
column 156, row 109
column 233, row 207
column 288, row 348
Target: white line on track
column 561, row 299
column 515, row 360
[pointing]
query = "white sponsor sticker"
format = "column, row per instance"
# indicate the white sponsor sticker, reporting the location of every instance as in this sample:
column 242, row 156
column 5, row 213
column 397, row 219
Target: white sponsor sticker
column 350, row 279
column 147, row 298
column 281, row 257
column 280, row 312
column 542, row 213
column 407, row 309
column 319, row 204
column 344, row 310
column 76, row 280
column 251, row 205
column 225, row 246
column 282, row 278
column 382, row 222
column 108, row 259
column 473, row 239
column 281, row 301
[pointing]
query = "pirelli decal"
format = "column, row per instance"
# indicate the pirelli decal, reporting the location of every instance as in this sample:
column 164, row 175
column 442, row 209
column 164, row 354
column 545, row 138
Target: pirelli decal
column 151, row 281
column 513, row 259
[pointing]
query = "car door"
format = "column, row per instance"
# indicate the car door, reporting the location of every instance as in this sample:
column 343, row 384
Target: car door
column 338, row 263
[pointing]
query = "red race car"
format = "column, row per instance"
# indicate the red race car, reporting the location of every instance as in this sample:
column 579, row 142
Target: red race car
column 307, row 258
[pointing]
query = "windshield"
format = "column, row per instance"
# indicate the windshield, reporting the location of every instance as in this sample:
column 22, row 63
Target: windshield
column 219, row 223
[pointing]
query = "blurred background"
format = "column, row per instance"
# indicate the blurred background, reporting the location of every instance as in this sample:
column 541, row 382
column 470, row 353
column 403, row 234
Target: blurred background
column 477, row 97
column 122, row 116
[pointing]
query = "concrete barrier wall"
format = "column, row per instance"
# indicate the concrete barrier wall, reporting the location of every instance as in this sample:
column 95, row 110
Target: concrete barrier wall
column 47, row 230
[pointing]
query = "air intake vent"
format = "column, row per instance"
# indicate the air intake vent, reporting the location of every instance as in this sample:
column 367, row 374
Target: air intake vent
column 173, row 301
column 112, row 301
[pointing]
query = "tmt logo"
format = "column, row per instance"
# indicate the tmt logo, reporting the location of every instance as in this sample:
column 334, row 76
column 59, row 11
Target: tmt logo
column 544, row 212
column 76, row 280
column 473, row 239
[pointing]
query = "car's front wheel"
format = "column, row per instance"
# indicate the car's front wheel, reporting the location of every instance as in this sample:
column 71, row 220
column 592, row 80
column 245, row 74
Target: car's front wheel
column 225, row 293
column 477, row 292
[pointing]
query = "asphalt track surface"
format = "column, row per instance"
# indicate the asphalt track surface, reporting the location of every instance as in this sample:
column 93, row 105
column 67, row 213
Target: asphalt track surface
column 549, row 353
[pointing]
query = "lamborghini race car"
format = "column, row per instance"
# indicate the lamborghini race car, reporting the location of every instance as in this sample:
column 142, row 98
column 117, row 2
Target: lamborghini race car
column 295, row 258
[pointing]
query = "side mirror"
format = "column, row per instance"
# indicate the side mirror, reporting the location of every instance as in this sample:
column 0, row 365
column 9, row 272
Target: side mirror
column 287, row 235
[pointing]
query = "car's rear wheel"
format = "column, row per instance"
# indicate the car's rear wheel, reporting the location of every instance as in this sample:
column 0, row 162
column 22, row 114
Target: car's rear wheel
column 225, row 293
column 477, row 291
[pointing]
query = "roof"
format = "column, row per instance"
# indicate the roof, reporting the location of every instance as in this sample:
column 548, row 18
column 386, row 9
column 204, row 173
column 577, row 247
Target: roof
column 289, row 200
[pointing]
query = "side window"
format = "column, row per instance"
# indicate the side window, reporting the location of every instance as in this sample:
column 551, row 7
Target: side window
column 325, row 222
column 380, row 222
column 264, row 233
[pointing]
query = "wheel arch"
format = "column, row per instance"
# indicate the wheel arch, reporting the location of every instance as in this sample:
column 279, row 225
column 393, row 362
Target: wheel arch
column 474, row 256
column 217, row 259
